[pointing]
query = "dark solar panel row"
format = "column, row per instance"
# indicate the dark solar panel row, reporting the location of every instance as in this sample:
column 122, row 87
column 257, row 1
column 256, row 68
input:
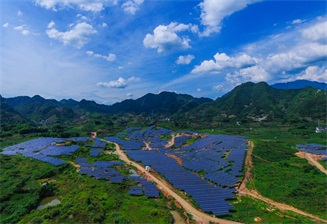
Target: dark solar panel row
column 185, row 180
column 313, row 148
column 99, row 144
column 150, row 190
column 95, row 152
column 135, row 190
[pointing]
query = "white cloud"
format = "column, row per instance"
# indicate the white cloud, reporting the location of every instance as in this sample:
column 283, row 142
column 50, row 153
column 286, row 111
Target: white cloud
column 165, row 38
column 78, row 36
column 218, row 88
column 120, row 67
column 120, row 83
column 198, row 90
column 185, row 60
column 19, row 13
column 253, row 74
column 110, row 57
column 316, row 32
column 22, row 30
column 314, row 73
column 51, row 25
column 104, row 25
column 298, row 21
column 223, row 61
column 132, row 6
column 213, row 12
column 90, row 5
column 82, row 17
column 5, row 25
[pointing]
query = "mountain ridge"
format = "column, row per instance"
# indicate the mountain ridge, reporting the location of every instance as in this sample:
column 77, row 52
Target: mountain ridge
column 246, row 102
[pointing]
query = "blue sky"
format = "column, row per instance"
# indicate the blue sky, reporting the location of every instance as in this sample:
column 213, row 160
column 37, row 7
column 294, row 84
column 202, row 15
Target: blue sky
column 111, row 50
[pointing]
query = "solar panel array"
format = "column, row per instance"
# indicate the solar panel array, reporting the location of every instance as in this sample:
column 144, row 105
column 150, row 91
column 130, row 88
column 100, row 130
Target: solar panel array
column 95, row 152
column 150, row 190
column 41, row 149
column 80, row 139
column 219, row 158
column 313, row 148
column 99, row 144
column 135, row 190
column 101, row 170
column 180, row 141
column 186, row 181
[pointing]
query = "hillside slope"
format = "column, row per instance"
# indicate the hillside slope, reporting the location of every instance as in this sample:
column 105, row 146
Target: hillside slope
column 250, row 102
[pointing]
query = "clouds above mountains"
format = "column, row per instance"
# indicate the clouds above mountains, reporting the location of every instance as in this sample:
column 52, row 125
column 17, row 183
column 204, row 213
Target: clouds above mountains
column 201, row 47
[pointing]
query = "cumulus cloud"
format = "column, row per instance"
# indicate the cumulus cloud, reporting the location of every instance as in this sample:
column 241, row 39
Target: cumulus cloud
column 296, row 53
column 120, row 83
column 213, row 12
column 109, row 57
column 90, row 5
column 253, row 74
column 223, row 61
column 23, row 30
column 19, row 13
column 5, row 25
column 78, row 36
column 314, row 73
column 316, row 32
column 132, row 6
column 104, row 25
column 185, row 60
column 165, row 38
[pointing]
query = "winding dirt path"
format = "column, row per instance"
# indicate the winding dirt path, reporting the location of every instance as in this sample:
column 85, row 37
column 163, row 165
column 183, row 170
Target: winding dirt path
column 242, row 190
column 312, row 159
column 198, row 216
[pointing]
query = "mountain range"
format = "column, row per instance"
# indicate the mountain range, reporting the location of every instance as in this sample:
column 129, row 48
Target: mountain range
column 246, row 102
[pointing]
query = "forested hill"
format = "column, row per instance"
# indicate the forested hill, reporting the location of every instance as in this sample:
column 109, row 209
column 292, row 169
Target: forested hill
column 164, row 103
column 257, row 102
column 37, row 108
column 246, row 102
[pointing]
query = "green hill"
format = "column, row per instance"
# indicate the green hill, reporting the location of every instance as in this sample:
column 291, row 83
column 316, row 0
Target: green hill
column 38, row 109
column 165, row 103
column 257, row 102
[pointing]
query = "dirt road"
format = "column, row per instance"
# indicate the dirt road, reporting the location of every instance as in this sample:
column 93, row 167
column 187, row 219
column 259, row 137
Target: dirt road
column 199, row 216
column 313, row 160
column 242, row 190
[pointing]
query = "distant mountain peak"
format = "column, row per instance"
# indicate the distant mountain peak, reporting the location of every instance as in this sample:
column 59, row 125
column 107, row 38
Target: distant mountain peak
column 299, row 84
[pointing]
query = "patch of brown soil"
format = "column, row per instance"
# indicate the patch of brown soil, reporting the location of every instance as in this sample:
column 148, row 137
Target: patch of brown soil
column 178, row 160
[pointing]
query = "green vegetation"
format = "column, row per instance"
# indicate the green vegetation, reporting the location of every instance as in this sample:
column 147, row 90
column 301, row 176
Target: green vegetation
column 248, row 210
column 20, row 191
column 281, row 176
column 82, row 198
